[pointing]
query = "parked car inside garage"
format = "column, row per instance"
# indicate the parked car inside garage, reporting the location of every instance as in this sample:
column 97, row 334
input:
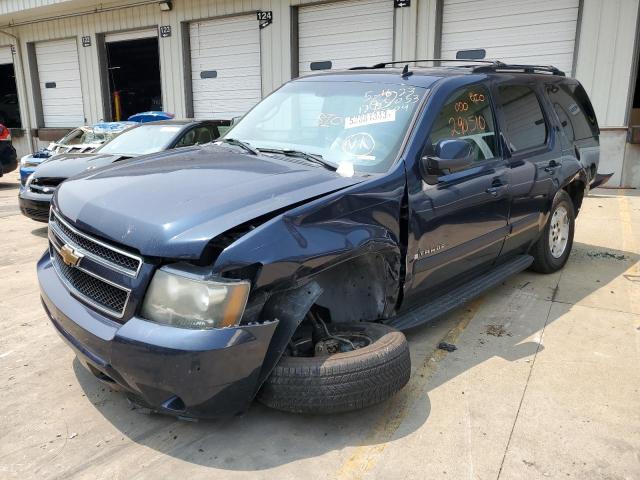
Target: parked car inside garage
column 282, row 261
column 35, row 195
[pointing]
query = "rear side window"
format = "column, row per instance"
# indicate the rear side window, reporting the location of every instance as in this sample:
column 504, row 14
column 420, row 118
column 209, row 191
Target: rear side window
column 467, row 115
column 524, row 120
column 574, row 111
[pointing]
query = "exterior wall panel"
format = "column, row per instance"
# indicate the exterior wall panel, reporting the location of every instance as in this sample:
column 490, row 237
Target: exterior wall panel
column 605, row 56
column 604, row 60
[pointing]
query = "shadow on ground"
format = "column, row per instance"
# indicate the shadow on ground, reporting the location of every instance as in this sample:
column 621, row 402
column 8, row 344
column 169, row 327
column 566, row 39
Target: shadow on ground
column 265, row 438
column 9, row 185
column 40, row 232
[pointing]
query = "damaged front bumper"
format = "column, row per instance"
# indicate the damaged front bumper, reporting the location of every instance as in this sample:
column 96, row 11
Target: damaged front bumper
column 189, row 373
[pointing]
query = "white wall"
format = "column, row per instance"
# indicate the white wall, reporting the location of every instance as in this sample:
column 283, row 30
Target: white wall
column 275, row 41
column 605, row 68
column 605, row 56
column 603, row 64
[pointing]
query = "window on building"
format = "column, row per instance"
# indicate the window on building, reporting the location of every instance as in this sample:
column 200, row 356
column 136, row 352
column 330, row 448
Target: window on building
column 9, row 105
column 467, row 115
column 524, row 120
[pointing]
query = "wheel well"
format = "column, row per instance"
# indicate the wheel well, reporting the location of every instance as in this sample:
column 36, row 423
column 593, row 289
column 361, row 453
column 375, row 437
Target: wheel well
column 360, row 289
column 576, row 191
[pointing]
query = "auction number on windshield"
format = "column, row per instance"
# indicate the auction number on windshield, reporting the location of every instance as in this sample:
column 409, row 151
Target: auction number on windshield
column 389, row 99
column 461, row 126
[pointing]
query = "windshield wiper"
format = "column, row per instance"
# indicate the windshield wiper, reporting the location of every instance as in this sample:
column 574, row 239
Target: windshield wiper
column 310, row 157
column 239, row 143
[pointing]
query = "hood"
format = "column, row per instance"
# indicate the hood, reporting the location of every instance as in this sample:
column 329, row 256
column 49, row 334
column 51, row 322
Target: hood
column 172, row 204
column 66, row 165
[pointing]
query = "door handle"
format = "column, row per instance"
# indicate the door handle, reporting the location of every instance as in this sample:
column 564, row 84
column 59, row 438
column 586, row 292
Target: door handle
column 496, row 187
column 551, row 167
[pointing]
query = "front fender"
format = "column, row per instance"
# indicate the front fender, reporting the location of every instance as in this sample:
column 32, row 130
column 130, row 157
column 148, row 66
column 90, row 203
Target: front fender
column 293, row 247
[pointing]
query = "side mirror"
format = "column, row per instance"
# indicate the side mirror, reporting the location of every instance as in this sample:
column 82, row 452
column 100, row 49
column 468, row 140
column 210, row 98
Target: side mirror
column 449, row 155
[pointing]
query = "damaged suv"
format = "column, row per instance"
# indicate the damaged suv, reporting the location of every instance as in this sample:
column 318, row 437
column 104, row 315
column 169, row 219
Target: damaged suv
column 283, row 261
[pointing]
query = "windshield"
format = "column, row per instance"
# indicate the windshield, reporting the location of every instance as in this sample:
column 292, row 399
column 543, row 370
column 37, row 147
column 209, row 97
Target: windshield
column 84, row 136
column 142, row 140
column 354, row 124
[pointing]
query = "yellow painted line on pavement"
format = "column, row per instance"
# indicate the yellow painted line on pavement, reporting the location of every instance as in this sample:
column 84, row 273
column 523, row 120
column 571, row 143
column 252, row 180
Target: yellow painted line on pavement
column 628, row 239
column 629, row 244
column 368, row 454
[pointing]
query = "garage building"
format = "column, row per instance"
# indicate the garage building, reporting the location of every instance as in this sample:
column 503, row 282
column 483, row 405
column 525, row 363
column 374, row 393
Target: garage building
column 68, row 62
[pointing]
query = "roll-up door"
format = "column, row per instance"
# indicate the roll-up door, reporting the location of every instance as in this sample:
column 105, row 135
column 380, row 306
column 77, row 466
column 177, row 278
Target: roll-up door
column 516, row 31
column 131, row 35
column 60, row 89
column 346, row 33
column 225, row 66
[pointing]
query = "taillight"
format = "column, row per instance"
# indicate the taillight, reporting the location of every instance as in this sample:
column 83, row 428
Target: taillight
column 5, row 133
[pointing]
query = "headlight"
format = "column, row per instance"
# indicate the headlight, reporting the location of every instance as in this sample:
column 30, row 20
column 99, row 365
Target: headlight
column 189, row 301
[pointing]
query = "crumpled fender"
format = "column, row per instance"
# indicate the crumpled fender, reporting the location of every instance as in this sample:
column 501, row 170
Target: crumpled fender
column 293, row 247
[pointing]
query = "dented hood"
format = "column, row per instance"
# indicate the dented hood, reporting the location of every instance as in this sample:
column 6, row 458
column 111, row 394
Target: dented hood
column 173, row 203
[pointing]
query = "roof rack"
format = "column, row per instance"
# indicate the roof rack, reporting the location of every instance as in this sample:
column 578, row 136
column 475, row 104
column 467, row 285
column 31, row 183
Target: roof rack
column 476, row 66
column 520, row 68
column 400, row 62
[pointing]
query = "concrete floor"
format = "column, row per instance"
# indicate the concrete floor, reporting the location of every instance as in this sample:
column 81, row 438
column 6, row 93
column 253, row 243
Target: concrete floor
column 544, row 384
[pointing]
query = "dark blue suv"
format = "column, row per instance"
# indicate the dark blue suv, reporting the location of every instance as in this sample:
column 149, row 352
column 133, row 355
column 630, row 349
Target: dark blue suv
column 284, row 260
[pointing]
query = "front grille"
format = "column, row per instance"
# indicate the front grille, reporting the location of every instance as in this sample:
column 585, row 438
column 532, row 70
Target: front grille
column 37, row 213
column 48, row 181
column 97, row 276
column 103, row 295
column 116, row 258
column 45, row 185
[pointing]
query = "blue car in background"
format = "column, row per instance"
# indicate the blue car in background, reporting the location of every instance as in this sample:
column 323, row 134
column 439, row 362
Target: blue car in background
column 80, row 140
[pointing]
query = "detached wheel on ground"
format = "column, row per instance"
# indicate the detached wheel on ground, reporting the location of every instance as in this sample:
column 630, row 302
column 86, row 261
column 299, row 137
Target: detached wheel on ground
column 552, row 249
column 338, row 368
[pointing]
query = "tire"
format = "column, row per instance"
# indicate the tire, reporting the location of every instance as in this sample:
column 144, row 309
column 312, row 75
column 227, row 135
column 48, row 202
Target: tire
column 544, row 259
column 343, row 381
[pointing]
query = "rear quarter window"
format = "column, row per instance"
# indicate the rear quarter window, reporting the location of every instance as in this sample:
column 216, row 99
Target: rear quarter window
column 524, row 121
column 574, row 110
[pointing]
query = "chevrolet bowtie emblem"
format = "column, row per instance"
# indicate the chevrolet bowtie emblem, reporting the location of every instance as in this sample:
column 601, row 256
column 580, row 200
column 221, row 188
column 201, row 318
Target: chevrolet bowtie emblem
column 69, row 256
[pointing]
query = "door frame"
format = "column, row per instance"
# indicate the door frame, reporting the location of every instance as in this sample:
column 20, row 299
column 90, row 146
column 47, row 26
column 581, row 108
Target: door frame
column 103, row 67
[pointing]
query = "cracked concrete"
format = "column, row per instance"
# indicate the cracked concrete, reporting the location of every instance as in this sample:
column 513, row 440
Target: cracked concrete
column 544, row 384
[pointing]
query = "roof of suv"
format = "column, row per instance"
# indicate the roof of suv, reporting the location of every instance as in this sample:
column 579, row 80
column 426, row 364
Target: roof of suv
column 426, row 76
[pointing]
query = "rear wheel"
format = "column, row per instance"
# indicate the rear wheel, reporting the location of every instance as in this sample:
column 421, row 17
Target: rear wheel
column 552, row 249
column 331, row 368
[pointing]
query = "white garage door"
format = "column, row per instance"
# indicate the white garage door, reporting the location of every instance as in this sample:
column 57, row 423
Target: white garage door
column 225, row 66
column 5, row 55
column 347, row 34
column 517, row 31
column 59, row 75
